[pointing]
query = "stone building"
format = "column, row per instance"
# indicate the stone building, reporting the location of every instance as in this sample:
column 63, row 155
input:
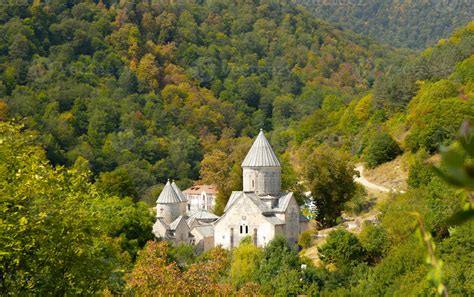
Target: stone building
column 201, row 197
column 175, row 224
column 261, row 210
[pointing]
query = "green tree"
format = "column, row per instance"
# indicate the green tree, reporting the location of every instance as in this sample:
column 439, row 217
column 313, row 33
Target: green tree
column 381, row 148
column 420, row 172
column 374, row 241
column 54, row 236
column 329, row 174
column 245, row 264
column 117, row 182
column 278, row 260
column 342, row 249
column 183, row 254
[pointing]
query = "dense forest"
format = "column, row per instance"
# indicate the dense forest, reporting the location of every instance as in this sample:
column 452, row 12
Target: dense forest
column 144, row 91
column 403, row 23
column 102, row 101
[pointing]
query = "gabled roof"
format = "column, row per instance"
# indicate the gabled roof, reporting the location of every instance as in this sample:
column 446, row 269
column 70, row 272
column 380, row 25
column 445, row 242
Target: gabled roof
column 176, row 222
column 257, row 201
column 160, row 228
column 205, row 231
column 168, row 195
column 284, row 201
column 233, row 197
column 181, row 196
column 283, row 198
column 261, row 154
column 198, row 189
column 274, row 220
column 203, row 214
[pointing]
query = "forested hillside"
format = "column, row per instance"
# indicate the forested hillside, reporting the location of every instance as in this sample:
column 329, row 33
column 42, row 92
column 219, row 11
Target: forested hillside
column 142, row 91
column 102, row 101
column 402, row 23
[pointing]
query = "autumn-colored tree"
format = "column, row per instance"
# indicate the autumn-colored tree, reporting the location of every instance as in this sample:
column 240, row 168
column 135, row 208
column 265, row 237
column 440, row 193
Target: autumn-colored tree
column 148, row 73
column 153, row 274
column 222, row 167
column 3, row 110
column 205, row 277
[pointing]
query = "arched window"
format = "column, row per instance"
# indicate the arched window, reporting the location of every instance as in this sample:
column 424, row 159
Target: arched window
column 244, row 229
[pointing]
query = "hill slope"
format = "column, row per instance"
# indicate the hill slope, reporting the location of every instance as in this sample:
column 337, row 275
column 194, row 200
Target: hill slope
column 403, row 23
column 142, row 91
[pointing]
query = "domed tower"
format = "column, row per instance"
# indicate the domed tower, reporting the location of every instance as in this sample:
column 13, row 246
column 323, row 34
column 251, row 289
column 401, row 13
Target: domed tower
column 183, row 206
column 261, row 168
column 168, row 204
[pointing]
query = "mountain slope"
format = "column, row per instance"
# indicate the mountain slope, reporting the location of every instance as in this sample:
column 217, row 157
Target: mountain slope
column 403, row 23
column 143, row 90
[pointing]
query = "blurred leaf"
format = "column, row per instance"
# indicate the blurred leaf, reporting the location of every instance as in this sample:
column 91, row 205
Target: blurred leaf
column 461, row 217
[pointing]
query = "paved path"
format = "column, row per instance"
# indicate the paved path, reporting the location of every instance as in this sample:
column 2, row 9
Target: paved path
column 363, row 181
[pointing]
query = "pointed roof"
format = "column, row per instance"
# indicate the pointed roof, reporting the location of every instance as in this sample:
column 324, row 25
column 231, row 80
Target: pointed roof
column 168, row 195
column 261, row 154
column 181, row 196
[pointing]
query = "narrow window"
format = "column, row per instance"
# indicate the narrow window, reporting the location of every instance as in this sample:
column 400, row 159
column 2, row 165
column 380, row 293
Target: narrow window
column 253, row 184
column 246, row 229
column 241, row 229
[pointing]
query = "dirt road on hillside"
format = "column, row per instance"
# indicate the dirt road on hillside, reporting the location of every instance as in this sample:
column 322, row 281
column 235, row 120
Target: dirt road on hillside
column 363, row 181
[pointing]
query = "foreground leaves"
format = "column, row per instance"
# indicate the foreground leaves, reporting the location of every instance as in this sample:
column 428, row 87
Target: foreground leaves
column 57, row 232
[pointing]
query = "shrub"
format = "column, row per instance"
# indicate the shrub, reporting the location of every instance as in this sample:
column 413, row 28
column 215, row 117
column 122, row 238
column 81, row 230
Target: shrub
column 245, row 263
column 381, row 148
column 305, row 239
column 420, row 172
column 342, row 248
column 183, row 254
column 360, row 202
column 374, row 240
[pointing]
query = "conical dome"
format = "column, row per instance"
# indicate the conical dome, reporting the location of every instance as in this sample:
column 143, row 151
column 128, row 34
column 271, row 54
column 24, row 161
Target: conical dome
column 261, row 154
column 168, row 195
column 181, row 196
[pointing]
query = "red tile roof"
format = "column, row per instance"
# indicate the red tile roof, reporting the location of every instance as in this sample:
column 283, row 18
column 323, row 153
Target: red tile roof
column 198, row 189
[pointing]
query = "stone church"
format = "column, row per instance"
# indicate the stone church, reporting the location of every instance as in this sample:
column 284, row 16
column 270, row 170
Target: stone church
column 175, row 224
column 261, row 211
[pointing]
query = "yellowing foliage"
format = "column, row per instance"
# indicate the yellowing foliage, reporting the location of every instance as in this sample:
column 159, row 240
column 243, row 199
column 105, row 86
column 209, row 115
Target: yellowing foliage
column 364, row 106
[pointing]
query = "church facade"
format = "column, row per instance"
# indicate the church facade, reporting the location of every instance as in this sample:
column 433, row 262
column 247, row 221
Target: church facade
column 261, row 210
